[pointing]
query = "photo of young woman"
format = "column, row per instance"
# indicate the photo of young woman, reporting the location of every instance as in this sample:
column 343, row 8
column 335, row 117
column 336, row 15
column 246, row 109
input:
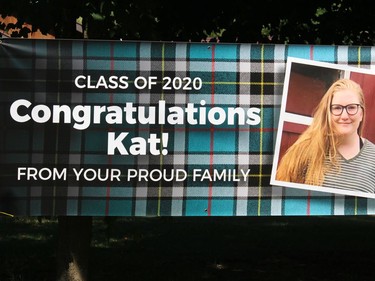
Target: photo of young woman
column 334, row 150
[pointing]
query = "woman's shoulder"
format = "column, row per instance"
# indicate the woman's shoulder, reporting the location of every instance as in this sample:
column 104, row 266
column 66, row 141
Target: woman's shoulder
column 370, row 145
column 367, row 155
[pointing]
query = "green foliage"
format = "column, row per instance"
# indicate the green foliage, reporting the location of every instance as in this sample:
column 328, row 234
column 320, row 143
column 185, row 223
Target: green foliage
column 268, row 21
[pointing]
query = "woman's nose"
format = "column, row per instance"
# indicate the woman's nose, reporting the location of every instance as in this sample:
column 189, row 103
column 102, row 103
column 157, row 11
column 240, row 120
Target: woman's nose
column 344, row 114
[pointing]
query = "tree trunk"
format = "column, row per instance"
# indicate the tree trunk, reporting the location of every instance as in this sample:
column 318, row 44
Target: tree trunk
column 74, row 239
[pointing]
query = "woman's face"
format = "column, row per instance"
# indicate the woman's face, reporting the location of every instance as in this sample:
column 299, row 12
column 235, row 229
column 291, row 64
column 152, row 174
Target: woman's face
column 348, row 121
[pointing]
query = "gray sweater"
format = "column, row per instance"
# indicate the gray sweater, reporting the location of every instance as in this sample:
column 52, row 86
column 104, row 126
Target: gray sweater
column 356, row 174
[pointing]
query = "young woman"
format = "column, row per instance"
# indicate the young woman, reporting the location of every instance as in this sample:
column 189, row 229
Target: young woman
column 332, row 152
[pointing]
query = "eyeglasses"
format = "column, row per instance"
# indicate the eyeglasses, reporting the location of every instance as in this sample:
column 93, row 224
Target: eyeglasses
column 351, row 109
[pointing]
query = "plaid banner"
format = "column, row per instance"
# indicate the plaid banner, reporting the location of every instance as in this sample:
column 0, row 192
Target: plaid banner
column 64, row 101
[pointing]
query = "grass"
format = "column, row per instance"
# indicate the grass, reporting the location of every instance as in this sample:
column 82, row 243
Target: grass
column 188, row 248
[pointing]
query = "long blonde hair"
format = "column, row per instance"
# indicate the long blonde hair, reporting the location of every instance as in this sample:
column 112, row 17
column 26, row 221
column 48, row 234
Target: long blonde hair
column 305, row 161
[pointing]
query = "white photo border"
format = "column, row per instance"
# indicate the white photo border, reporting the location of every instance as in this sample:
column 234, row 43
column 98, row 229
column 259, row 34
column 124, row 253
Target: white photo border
column 282, row 119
